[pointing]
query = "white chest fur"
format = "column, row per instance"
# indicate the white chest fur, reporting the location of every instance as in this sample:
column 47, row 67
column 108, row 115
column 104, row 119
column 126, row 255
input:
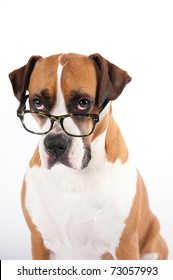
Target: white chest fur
column 81, row 214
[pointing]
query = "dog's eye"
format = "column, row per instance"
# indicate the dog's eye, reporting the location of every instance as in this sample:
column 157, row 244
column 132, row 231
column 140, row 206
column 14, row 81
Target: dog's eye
column 38, row 105
column 83, row 104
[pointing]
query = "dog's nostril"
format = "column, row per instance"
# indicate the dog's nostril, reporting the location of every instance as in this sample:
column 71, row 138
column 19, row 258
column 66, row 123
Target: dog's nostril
column 61, row 148
column 49, row 149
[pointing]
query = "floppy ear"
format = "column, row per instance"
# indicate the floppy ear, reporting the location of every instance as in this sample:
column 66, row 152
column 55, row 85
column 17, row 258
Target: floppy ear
column 20, row 77
column 111, row 79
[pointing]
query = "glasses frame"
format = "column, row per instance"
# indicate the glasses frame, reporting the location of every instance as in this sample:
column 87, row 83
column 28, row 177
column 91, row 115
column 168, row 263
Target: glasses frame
column 22, row 110
column 60, row 119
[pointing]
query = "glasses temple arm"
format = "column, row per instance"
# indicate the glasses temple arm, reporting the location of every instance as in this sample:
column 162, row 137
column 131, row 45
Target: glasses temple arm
column 104, row 109
column 22, row 104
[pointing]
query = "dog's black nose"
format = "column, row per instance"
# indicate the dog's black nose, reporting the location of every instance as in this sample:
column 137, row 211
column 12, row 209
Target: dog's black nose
column 56, row 145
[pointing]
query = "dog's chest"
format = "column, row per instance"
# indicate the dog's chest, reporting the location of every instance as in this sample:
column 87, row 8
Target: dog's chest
column 80, row 214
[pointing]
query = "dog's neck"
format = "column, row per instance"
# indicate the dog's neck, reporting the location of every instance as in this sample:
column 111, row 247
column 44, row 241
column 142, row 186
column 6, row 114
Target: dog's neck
column 107, row 141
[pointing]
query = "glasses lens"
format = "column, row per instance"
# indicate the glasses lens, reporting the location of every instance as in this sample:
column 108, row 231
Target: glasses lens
column 37, row 123
column 78, row 125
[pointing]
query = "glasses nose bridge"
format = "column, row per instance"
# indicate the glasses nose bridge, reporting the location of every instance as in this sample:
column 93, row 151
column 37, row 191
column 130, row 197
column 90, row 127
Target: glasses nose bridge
column 58, row 119
column 54, row 119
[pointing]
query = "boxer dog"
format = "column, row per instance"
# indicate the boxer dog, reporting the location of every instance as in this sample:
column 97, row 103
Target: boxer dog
column 82, row 196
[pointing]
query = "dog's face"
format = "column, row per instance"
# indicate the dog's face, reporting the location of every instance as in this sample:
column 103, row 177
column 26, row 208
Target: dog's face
column 68, row 84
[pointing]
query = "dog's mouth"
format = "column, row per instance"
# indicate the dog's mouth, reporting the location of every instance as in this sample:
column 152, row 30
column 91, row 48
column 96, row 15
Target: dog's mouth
column 61, row 149
column 68, row 160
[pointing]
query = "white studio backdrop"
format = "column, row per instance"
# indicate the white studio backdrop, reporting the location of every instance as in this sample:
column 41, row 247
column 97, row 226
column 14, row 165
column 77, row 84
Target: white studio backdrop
column 135, row 35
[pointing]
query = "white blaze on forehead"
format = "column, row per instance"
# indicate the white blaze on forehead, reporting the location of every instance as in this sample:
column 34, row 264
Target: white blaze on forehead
column 60, row 105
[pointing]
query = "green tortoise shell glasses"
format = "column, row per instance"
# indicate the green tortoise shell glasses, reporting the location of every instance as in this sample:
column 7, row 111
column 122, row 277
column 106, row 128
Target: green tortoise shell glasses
column 77, row 125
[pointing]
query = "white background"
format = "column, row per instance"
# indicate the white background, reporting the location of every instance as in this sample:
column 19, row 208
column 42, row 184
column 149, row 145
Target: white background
column 135, row 35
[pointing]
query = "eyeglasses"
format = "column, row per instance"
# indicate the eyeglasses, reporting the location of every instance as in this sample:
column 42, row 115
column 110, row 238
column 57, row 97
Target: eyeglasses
column 77, row 125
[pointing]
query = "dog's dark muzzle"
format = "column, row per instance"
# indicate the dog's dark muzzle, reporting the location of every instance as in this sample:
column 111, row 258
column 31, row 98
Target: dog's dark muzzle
column 56, row 146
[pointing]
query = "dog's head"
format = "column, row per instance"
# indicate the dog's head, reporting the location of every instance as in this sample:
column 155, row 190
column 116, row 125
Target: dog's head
column 66, row 92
